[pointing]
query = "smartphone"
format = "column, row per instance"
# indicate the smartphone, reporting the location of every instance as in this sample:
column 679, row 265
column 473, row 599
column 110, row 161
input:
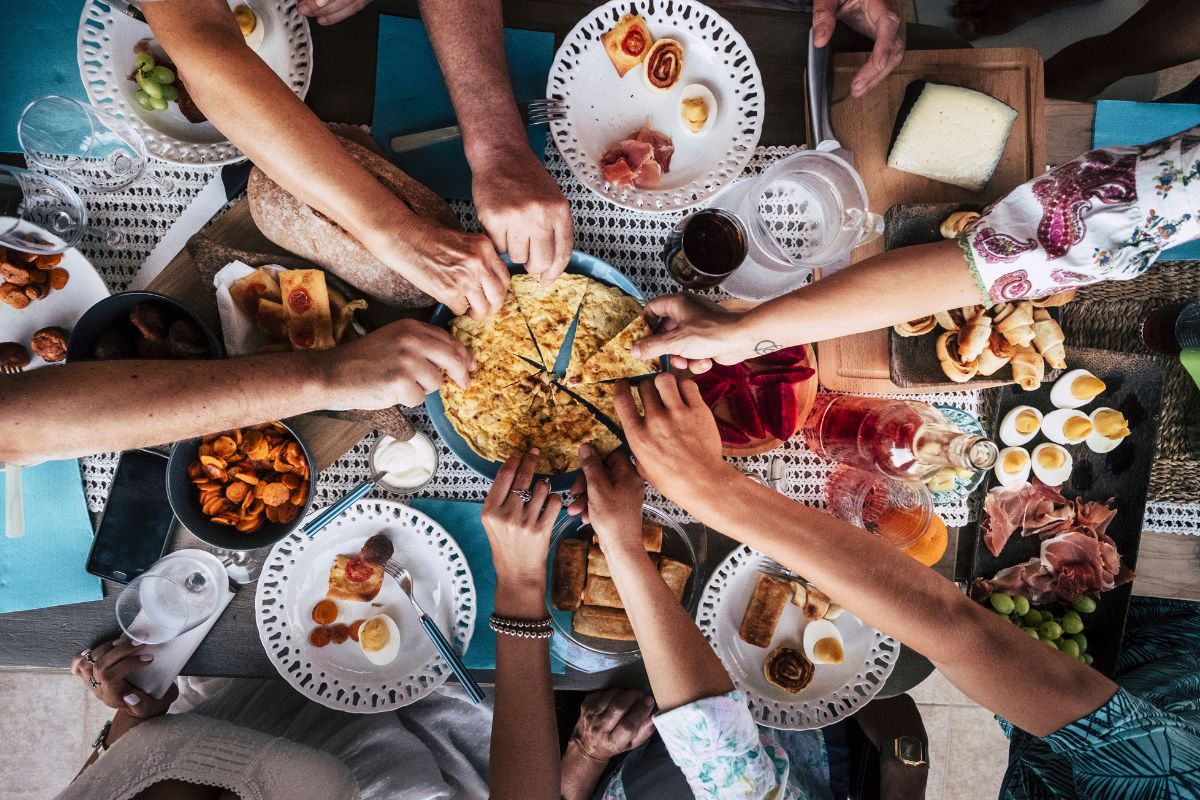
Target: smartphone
column 137, row 519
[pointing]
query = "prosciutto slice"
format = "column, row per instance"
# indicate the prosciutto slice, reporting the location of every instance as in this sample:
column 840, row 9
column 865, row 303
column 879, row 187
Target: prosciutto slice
column 1032, row 508
column 639, row 160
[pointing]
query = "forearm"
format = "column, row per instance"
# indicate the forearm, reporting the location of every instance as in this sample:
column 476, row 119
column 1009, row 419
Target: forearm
column 979, row 652
column 580, row 773
column 122, row 724
column 524, row 749
column 468, row 36
column 681, row 665
column 94, row 407
column 892, row 287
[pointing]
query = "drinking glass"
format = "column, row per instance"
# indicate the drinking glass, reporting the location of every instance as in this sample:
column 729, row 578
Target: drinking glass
column 899, row 512
column 174, row 596
column 41, row 214
column 84, row 146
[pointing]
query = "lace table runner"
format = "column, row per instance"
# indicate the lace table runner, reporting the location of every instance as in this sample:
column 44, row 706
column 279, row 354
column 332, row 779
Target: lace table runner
column 631, row 241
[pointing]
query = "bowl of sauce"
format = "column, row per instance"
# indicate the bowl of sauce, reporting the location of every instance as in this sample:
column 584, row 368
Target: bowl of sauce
column 404, row 467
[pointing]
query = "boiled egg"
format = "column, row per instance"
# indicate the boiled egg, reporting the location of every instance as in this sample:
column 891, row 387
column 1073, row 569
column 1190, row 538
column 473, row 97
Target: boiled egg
column 823, row 642
column 250, row 25
column 1111, row 428
column 1020, row 425
column 1067, row 426
column 1012, row 466
column 1052, row 464
column 1076, row 388
column 697, row 109
column 379, row 639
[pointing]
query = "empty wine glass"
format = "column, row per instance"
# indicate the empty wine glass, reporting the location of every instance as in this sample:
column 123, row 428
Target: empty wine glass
column 41, row 214
column 175, row 595
column 85, row 146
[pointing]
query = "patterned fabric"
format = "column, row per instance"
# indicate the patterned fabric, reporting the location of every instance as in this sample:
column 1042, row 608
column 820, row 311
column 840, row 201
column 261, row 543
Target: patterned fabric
column 723, row 754
column 1143, row 743
column 1104, row 216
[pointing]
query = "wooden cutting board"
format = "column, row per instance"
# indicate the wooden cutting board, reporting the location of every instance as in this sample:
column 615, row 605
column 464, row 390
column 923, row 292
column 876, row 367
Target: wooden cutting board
column 864, row 126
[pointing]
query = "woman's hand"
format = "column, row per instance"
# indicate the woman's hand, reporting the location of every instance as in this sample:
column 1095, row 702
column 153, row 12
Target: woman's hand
column 875, row 19
column 328, row 12
column 612, row 722
column 104, row 669
column 609, row 495
column 519, row 531
column 695, row 332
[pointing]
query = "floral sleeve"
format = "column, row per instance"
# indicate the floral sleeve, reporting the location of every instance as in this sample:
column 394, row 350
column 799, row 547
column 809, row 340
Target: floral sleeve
column 1104, row 216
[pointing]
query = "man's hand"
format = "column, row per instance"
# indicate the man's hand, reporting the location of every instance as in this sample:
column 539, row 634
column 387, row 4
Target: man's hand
column 612, row 722
column 519, row 531
column 523, row 211
column 875, row 19
column 694, row 332
column 459, row 269
column 328, row 12
column 610, row 494
column 676, row 443
column 110, row 665
column 401, row 363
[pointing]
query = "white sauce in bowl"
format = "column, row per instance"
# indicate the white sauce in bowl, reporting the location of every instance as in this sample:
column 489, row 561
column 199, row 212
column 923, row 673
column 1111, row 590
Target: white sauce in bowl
column 404, row 465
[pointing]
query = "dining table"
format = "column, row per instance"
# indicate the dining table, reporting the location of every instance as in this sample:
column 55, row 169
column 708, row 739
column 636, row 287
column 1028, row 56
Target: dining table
column 342, row 90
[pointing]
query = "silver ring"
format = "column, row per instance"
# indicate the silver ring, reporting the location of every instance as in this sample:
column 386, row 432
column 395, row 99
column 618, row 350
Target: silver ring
column 95, row 683
column 523, row 494
column 87, row 656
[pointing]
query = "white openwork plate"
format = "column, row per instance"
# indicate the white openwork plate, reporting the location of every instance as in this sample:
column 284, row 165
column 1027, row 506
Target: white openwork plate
column 105, row 54
column 294, row 579
column 603, row 108
column 835, row 692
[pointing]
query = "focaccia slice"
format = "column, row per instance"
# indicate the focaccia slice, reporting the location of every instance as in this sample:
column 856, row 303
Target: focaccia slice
column 247, row 291
column 627, row 43
column 310, row 325
column 272, row 319
column 615, row 359
column 605, row 312
column 549, row 310
column 343, row 586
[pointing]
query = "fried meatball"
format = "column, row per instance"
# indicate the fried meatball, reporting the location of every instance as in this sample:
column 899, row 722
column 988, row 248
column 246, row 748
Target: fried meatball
column 186, row 340
column 153, row 348
column 148, row 318
column 15, row 273
column 13, row 354
column 51, row 343
column 13, row 295
column 112, row 345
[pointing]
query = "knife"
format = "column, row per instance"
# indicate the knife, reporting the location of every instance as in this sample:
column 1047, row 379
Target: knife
column 128, row 9
column 225, row 186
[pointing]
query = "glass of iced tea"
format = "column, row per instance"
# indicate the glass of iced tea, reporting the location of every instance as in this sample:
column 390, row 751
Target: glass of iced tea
column 899, row 512
column 705, row 248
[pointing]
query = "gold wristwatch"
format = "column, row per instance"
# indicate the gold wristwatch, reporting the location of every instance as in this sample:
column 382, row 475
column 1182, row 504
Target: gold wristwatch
column 909, row 751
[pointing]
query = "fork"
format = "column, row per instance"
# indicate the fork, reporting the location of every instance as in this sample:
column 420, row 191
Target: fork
column 534, row 112
column 404, row 578
column 14, row 497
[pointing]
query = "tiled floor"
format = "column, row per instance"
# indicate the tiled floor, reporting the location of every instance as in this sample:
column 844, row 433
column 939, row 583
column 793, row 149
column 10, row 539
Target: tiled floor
column 968, row 753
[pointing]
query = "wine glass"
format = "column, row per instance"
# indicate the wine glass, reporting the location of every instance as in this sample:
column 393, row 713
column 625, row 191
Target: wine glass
column 84, row 146
column 175, row 595
column 41, row 214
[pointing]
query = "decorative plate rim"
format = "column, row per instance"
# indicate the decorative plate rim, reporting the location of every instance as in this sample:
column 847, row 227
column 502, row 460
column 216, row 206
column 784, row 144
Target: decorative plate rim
column 962, row 486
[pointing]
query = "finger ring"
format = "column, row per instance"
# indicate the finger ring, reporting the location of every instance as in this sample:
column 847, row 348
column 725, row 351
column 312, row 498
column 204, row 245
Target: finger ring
column 87, row 656
column 95, row 683
column 523, row 494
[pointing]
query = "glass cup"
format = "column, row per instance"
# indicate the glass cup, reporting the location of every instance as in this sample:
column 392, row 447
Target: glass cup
column 33, row 205
column 705, row 248
column 1169, row 329
column 174, row 596
column 899, row 512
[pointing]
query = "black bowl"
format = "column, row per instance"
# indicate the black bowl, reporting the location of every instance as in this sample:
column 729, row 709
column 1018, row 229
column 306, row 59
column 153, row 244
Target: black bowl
column 185, row 501
column 114, row 310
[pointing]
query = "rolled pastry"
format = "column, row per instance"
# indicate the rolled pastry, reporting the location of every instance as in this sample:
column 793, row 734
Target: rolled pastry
column 915, row 327
column 947, row 353
column 1028, row 368
column 955, row 318
column 675, row 574
column 812, row 601
column 570, row 571
column 601, row 591
column 663, row 64
column 973, row 337
column 1056, row 299
column 1015, row 321
column 763, row 611
column 998, row 353
column 788, row 669
column 652, row 535
column 603, row 623
column 1048, row 338
column 956, row 223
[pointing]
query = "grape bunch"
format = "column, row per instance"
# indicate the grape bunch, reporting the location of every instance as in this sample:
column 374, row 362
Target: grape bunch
column 1062, row 631
column 156, row 83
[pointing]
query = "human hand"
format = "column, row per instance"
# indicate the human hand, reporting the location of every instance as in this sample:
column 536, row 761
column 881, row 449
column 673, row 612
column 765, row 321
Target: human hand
column 457, row 268
column 110, row 665
column 675, row 442
column 609, row 494
column 328, row 12
column 694, row 332
column 613, row 721
column 401, row 362
column 875, row 19
column 523, row 211
column 519, row 531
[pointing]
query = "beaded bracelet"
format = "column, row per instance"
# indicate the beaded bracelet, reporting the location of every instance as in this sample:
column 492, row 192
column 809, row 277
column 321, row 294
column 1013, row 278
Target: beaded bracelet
column 521, row 628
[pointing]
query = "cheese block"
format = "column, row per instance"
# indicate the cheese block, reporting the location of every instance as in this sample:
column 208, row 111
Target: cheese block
column 950, row 134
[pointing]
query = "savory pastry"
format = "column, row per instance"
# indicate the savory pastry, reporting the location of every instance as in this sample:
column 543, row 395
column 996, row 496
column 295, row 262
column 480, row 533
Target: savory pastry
column 697, row 109
column 675, row 574
column 788, row 669
column 652, row 536
column 916, row 327
column 603, row 623
column 663, row 64
column 999, row 351
column 1048, row 339
column 948, row 350
column 258, row 285
column 50, row 344
column 354, row 579
column 973, row 337
column 956, row 223
column 571, row 564
column 601, row 591
column 813, row 603
column 627, row 43
column 954, row 318
column 762, row 614
column 1028, row 368
column 1056, row 299
column 1015, row 322
column 14, row 354
column 310, row 324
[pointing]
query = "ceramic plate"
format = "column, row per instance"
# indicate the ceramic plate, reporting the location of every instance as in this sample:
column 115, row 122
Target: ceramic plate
column 967, row 423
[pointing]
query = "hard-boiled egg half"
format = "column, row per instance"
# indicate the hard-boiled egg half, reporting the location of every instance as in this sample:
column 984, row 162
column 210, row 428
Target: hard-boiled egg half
column 697, row 109
column 1020, row 425
column 1052, row 464
column 1110, row 429
column 1075, row 389
column 1067, row 426
column 250, row 24
column 823, row 642
column 379, row 639
column 1012, row 466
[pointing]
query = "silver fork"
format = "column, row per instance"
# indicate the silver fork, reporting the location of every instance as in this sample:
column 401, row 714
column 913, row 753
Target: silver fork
column 14, row 496
column 404, row 578
column 534, row 112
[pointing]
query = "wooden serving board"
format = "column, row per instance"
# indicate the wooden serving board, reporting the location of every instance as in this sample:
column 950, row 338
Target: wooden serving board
column 864, row 126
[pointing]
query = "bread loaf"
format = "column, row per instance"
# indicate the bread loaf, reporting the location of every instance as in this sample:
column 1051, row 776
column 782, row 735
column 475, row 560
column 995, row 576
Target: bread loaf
column 313, row 236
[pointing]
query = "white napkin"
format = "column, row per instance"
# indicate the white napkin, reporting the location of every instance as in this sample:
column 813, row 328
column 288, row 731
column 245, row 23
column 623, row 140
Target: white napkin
column 170, row 657
column 241, row 335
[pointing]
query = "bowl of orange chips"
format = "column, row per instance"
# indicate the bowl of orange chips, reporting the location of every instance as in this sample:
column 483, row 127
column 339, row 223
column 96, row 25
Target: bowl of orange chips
column 241, row 489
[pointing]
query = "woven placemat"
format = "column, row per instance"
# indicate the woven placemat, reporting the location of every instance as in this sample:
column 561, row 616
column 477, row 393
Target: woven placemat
column 1108, row 315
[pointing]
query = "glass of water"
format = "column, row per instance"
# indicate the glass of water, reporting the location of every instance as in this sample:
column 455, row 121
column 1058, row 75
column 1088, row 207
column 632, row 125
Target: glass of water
column 166, row 601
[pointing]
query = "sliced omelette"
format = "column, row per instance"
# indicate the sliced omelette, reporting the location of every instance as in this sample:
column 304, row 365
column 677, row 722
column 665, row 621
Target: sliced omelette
column 559, row 424
column 615, row 359
column 499, row 335
column 549, row 310
column 605, row 312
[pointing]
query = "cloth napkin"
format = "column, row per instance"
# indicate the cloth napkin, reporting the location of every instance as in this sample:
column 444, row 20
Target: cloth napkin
column 241, row 336
column 463, row 521
column 45, row 567
column 410, row 96
column 1119, row 122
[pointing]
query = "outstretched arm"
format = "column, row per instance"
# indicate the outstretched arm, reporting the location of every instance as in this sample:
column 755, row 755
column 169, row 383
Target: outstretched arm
column 678, row 450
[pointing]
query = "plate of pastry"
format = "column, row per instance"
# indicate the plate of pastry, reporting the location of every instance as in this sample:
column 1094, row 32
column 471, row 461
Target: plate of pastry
column 341, row 631
column 801, row 659
column 664, row 103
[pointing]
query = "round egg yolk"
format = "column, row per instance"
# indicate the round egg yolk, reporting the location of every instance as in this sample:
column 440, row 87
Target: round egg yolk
column 373, row 636
column 1085, row 387
column 1014, row 461
column 1051, row 458
column 1112, row 424
column 1026, row 422
column 1077, row 427
column 828, row 651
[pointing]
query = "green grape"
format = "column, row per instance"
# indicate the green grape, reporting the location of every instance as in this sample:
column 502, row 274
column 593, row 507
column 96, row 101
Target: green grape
column 1069, row 647
column 1032, row 617
column 143, row 100
column 1021, row 605
column 1087, row 659
column 1002, row 603
column 1084, row 605
column 170, row 93
column 1080, row 640
column 143, row 62
column 1051, row 642
column 1031, row 631
column 1072, row 622
column 163, row 75
column 150, row 87
column 158, row 103
column 1050, row 630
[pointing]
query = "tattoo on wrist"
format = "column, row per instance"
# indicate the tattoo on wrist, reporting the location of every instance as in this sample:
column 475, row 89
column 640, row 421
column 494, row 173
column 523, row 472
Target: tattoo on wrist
column 766, row 346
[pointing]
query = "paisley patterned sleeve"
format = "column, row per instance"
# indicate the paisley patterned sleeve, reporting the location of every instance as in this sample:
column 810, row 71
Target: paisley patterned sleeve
column 1104, row 216
column 717, row 745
